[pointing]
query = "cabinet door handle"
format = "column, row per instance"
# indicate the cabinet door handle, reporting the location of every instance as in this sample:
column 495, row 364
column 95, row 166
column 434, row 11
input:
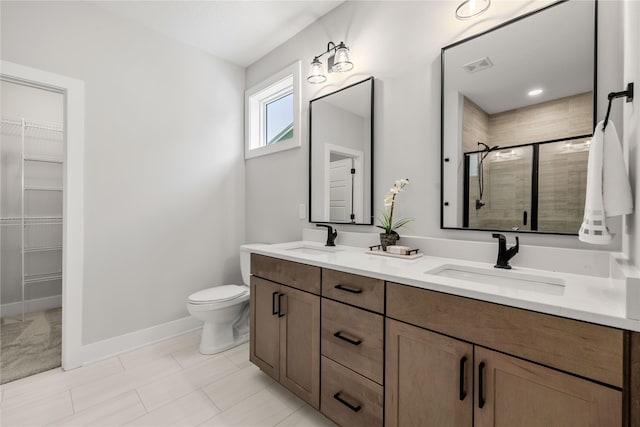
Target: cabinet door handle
column 273, row 303
column 344, row 288
column 280, row 313
column 481, row 401
column 347, row 339
column 463, row 392
column 345, row 403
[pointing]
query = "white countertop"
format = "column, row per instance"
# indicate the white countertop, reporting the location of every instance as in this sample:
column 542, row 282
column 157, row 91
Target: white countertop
column 601, row 300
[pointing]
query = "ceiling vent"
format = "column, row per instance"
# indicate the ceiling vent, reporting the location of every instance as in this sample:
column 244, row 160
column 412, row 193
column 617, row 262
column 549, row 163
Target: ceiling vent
column 478, row 65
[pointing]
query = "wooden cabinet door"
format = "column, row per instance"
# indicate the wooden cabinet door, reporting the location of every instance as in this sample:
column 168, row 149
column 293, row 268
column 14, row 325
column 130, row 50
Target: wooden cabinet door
column 428, row 378
column 515, row 392
column 300, row 344
column 264, row 351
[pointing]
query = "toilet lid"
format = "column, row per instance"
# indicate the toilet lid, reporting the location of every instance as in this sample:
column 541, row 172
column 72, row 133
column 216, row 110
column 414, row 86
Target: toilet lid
column 218, row 294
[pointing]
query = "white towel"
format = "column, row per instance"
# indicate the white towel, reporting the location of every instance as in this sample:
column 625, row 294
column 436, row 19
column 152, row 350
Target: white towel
column 608, row 189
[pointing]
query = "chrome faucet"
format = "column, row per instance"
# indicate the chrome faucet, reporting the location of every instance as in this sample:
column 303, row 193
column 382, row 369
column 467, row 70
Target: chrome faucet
column 331, row 235
column 504, row 254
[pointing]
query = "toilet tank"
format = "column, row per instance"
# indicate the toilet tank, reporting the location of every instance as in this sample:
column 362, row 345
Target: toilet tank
column 245, row 265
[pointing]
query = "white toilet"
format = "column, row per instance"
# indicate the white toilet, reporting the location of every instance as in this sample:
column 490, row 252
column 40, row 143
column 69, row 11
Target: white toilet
column 224, row 311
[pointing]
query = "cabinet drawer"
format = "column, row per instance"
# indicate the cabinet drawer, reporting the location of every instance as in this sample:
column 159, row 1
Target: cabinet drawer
column 356, row 290
column 585, row 349
column 299, row 276
column 359, row 344
column 349, row 399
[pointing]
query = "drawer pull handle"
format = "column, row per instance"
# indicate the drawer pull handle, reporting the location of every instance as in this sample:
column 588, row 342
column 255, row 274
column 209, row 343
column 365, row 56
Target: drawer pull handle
column 280, row 313
column 273, row 303
column 463, row 392
column 481, row 401
column 345, row 403
column 344, row 288
column 347, row 339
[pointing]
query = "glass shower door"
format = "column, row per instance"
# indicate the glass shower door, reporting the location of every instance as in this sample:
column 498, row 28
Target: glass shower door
column 499, row 189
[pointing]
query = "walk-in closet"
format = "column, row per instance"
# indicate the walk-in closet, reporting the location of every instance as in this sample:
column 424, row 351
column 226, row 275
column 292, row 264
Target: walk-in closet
column 31, row 201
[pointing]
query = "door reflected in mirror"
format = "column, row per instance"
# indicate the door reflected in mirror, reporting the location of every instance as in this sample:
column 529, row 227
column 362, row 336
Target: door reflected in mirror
column 517, row 110
column 340, row 159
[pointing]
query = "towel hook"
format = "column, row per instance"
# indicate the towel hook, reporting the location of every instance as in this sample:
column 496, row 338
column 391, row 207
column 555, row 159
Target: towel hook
column 613, row 95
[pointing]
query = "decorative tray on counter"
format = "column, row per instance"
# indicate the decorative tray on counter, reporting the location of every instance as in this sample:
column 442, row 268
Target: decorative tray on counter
column 410, row 254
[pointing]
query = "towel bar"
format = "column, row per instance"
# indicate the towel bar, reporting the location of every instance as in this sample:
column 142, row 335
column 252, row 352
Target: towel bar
column 613, row 95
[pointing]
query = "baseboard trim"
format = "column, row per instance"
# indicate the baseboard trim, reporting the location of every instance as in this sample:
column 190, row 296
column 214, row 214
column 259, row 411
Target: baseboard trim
column 13, row 309
column 111, row 347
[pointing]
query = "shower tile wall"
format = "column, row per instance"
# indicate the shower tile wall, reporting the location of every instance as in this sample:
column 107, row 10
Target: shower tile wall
column 562, row 166
column 475, row 127
column 556, row 119
column 562, row 182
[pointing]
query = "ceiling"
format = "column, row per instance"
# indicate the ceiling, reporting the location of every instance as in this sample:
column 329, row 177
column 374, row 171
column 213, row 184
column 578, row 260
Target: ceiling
column 238, row 31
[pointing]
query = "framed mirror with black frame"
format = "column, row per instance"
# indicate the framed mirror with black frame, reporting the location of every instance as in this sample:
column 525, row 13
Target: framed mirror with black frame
column 341, row 155
column 518, row 110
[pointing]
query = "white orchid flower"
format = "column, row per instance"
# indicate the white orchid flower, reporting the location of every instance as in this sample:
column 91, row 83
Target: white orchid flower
column 386, row 220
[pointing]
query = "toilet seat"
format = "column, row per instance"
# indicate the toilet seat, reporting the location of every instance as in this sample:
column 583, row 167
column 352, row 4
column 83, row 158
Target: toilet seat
column 218, row 294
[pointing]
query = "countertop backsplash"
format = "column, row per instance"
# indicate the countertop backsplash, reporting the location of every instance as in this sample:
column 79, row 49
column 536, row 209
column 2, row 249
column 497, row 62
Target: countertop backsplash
column 576, row 261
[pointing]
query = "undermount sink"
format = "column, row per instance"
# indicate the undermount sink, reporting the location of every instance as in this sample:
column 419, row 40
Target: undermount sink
column 504, row 278
column 313, row 250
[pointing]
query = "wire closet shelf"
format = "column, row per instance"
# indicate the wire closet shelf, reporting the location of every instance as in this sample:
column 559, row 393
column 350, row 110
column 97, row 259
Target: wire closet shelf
column 51, row 133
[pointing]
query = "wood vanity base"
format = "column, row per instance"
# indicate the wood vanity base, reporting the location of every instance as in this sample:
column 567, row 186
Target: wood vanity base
column 588, row 350
column 369, row 353
column 634, row 379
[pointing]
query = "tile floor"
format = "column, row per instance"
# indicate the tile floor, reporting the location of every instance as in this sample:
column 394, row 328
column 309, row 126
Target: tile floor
column 164, row 384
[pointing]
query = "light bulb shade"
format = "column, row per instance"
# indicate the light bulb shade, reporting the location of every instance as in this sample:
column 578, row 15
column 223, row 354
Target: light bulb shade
column 470, row 8
column 316, row 74
column 341, row 61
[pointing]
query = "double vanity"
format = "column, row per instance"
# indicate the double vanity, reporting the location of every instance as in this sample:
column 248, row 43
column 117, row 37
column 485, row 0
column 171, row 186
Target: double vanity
column 447, row 339
column 370, row 340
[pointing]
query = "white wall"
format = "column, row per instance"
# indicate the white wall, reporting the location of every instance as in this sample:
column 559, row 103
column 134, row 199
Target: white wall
column 399, row 44
column 164, row 175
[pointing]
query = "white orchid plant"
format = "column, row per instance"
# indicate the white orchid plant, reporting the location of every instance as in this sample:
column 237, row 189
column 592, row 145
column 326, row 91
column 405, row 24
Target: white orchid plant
column 386, row 219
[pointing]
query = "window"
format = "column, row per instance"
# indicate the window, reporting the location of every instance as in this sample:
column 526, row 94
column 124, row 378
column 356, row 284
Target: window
column 279, row 119
column 272, row 113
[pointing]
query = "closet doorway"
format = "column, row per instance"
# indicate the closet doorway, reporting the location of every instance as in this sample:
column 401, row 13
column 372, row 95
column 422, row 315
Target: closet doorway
column 31, row 228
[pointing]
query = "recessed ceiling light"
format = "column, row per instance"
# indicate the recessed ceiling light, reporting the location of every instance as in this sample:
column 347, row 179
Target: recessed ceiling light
column 535, row 92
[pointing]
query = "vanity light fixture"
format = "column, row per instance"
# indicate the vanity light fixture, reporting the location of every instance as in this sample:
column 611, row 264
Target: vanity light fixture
column 535, row 92
column 338, row 62
column 471, row 8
